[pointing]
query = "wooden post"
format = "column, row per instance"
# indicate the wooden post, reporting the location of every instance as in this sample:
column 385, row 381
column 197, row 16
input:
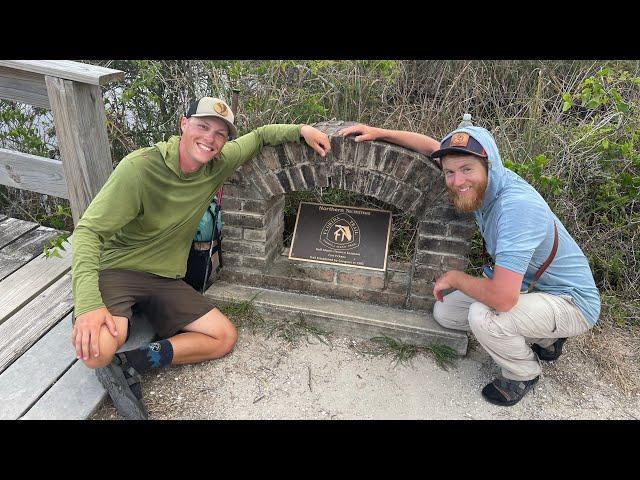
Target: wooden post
column 234, row 101
column 80, row 120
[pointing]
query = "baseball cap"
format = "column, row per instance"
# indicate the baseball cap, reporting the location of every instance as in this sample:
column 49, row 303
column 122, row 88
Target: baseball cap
column 460, row 142
column 213, row 107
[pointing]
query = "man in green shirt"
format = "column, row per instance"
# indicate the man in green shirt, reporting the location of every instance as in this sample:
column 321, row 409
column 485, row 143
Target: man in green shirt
column 132, row 243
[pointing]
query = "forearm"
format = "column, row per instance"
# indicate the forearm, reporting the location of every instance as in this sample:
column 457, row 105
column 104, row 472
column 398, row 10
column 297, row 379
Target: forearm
column 84, row 270
column 414, row 141
column 482, row 289
column 247, row 146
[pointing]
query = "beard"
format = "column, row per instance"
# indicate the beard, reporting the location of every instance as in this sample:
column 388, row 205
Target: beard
column 468, row 203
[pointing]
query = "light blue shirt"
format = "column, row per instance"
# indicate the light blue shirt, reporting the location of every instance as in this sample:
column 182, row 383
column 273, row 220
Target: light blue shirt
column 517, row 226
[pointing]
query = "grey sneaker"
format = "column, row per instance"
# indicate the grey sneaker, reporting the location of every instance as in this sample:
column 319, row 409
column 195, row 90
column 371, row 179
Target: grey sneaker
column 122, row 382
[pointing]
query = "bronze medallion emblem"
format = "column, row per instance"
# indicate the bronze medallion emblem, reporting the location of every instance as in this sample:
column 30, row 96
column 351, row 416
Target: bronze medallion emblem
column 221, row 108
column 460, row 139
column 341, row 232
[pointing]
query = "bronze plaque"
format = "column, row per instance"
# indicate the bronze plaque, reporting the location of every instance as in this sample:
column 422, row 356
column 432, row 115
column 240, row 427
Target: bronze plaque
column 341, row 235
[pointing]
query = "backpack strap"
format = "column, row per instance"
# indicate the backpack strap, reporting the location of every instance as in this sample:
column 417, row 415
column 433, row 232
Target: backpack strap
column 548, row 261
column 219, row 230
column 216, row 236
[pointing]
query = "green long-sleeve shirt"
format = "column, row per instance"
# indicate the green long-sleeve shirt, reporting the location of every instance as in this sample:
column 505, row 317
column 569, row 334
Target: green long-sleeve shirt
column 147, row 212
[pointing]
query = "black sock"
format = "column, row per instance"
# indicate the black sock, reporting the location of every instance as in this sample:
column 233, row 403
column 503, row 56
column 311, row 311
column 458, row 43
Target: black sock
column 152, row 355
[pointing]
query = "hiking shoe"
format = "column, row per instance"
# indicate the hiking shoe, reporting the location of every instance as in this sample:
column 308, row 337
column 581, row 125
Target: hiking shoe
column 505, row 392
column 122, row 382
column 551, row 352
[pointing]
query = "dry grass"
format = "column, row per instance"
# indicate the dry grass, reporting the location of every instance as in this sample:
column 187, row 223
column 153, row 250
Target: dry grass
column 614, row 353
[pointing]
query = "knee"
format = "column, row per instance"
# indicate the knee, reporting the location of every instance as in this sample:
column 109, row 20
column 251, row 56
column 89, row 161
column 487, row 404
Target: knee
column 438, row 313
column 100, row 361
column 478, row 318
column 444, row 316
column 107, row 346
column 229, row 338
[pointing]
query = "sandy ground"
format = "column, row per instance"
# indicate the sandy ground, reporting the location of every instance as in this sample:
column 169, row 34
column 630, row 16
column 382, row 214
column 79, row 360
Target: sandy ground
column 268, row 378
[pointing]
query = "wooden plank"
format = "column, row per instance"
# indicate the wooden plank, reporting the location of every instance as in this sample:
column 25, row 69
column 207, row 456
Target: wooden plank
column 68, row 70
column 20, row 287
column 23, row 87
column 25, row 249
column 74, row 397
column 32, row 172
column 2, row 217
column 29, row 377
column 78, row 113
column 78, row 393
column 31, row 243
column 28, row 324
column 13, row 228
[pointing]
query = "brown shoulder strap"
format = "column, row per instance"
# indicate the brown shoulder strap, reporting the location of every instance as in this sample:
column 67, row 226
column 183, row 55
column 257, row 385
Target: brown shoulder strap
column 548, row 261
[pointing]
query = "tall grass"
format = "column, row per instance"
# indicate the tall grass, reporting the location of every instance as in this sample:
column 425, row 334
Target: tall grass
column 577, row 157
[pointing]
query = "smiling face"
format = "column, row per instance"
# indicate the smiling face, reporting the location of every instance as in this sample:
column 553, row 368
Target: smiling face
column 202, row 139
column 466, row 178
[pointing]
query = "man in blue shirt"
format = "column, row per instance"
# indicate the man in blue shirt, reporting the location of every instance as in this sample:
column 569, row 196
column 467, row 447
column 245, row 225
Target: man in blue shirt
column 539, row 291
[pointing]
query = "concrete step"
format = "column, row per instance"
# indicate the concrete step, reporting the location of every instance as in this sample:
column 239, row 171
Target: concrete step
column 343, row 316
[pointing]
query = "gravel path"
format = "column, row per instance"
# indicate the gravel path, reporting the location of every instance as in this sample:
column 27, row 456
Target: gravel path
column 267, row 378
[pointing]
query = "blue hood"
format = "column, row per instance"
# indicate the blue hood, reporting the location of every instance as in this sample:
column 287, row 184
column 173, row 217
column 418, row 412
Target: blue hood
column 498, row 174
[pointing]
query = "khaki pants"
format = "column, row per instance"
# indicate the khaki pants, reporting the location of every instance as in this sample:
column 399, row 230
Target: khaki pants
column 537, row 318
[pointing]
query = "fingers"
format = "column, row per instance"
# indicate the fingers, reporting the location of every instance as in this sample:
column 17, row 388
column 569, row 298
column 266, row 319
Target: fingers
column 316, row 139
column 94, row 342
column 111, row 325
column 351, row 130
column 84, row 342
column 322, row 146
column 438, row 295
column 437, row 289
column 77, row 342
column 364, row 137
column 362, row 133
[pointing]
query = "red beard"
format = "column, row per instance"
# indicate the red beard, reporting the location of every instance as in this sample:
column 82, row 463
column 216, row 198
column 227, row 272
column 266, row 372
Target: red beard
column 468, row 203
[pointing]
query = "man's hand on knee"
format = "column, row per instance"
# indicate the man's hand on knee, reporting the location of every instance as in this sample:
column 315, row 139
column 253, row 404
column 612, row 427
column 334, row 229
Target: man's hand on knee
column 86, row 332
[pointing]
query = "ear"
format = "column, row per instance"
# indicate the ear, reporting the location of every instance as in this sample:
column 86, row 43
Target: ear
column 183, row 124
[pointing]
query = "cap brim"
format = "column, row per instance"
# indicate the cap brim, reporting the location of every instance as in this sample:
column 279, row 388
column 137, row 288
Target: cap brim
column 233, row 131
column 444, row 151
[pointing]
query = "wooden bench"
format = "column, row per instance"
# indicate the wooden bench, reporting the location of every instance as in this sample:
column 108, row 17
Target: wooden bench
column 40, row 377
column 39, row 374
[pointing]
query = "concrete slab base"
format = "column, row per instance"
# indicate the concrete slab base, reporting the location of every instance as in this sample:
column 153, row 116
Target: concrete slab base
column 344, row 317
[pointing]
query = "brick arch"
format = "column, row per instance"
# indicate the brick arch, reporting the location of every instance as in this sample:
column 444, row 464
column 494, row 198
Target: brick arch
column 254, row 200
column 400, row 177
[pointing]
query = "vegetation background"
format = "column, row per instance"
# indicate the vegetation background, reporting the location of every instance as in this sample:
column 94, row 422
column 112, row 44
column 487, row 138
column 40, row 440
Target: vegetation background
column 570, row 128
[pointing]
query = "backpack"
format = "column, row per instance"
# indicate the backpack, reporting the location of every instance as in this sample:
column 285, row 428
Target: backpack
column 206, row 243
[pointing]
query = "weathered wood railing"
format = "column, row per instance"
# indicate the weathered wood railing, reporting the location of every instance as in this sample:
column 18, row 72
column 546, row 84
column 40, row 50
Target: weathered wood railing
column 40, row 376
column 72, row 91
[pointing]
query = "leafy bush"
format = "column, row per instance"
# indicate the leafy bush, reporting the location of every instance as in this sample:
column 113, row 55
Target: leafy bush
column 568, row 127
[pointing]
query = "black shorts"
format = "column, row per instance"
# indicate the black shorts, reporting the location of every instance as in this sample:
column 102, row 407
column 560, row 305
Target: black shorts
column 169, row 304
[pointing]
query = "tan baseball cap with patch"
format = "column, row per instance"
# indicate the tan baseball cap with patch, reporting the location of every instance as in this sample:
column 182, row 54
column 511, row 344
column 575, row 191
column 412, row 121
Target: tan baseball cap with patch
column 213, row 107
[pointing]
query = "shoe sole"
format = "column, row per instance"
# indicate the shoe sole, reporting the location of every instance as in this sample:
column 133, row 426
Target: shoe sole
column 511, row 402
column 113, row 380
